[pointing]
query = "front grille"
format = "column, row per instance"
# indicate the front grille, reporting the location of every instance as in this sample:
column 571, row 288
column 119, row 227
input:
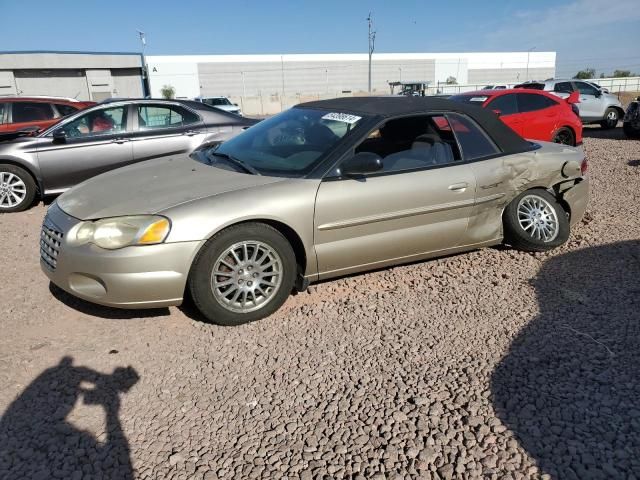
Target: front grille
column 50, row 240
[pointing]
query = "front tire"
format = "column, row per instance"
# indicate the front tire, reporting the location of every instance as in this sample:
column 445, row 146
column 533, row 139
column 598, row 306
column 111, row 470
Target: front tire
column 242, row 274
column 17, row 189
column 564, row 136
column 611, row 118
column 535, row 222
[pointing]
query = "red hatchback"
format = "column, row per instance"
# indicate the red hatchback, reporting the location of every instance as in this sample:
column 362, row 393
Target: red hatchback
column 533, row 114
column 18, row 113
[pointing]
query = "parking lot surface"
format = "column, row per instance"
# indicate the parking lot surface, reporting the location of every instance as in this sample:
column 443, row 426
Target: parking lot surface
column 490, row 364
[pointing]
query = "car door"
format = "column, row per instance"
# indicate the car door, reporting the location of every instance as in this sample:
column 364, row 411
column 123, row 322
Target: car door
column 96, row 142
column 591, row 106
column 30, row 115
column 403, row 212
column 162, row 129
column 538, row 115
column 507, row 107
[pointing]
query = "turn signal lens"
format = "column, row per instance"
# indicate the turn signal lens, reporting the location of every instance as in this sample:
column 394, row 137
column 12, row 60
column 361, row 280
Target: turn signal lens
column 155, row 233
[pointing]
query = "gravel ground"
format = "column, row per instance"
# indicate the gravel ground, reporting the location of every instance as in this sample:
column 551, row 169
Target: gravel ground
column 491, row 364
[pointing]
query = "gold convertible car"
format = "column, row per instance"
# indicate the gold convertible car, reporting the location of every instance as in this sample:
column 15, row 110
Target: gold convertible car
column 325, row 189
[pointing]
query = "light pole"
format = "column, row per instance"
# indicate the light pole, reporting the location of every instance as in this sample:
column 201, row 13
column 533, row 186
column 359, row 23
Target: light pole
column 529, row 53
column 372, row 45
column 145, row 76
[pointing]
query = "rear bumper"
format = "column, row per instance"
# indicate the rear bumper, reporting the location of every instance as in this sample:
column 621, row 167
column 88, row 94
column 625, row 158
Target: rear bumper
column 132, row 277
column 577, row 197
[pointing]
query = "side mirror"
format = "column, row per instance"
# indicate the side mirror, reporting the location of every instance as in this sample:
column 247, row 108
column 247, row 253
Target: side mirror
column 236, row 104
column 59, row 135
column 598, row 94
column 362, row 163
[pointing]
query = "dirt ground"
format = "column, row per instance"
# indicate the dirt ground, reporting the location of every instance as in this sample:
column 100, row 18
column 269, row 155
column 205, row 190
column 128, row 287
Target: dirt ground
column 490, row 364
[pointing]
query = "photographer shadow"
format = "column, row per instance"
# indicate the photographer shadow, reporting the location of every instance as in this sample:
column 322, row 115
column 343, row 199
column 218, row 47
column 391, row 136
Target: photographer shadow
column 38, row 442
column 569, row 387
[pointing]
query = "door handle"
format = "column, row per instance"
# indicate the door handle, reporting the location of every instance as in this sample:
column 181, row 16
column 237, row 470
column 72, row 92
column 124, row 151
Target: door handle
column 121, row 140
column 190, row 133
column 458, row 187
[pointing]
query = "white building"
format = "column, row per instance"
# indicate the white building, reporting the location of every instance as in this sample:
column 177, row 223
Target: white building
column 335, row 74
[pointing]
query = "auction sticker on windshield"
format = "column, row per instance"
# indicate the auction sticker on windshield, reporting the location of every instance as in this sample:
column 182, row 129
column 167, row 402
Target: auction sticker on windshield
column 342, row 117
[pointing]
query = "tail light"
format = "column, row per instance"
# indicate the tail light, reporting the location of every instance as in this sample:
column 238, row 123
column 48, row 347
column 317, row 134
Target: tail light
column 575, row 109
column 584, row 166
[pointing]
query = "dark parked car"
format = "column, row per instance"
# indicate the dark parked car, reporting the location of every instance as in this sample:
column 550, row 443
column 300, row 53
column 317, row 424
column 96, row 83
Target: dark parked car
column 631, row 123
column 35, row 113
column 104, row 137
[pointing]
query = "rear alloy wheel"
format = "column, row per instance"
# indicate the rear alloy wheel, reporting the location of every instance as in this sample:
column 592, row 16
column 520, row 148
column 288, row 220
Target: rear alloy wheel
column 242, row 274
column 17, row 189
column 564, row 136
column 610, row 119
column 535, row 222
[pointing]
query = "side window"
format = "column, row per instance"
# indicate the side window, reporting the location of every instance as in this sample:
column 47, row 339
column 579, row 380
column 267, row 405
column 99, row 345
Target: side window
column 531, row 102
column 413, row 142
column 98, row 122
column 31, row 112
column 586, row 89
column 152, row 117
column 65, row 110
column 505, row 104
column 3, row 109
column 474, row 141
column 563, row 87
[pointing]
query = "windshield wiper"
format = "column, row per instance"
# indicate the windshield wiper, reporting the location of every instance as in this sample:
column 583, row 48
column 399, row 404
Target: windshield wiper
column 236, row 161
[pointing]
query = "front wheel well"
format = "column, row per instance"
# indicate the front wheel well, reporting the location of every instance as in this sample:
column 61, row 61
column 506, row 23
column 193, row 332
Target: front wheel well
column 289, row 233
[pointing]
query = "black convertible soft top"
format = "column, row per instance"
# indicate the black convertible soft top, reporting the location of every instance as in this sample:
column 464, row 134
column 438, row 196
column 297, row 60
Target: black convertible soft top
column 507, row 140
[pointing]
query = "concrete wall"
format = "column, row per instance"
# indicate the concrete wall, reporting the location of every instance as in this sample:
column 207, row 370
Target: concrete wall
column 509, row 75
column 332, row 74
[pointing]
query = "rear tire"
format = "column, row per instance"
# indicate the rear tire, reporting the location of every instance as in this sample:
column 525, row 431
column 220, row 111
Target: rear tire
column 17, row 189
column 255, row 269
column 535, row 222
column 611, row 117
column 564, row 136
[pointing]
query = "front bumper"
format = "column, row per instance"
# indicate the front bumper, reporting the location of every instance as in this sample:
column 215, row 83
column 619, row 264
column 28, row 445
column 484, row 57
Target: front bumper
column 132, row 277
column 578, row 199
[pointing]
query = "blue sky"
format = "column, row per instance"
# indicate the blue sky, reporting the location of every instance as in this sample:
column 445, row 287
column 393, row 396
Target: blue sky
column 585, row 33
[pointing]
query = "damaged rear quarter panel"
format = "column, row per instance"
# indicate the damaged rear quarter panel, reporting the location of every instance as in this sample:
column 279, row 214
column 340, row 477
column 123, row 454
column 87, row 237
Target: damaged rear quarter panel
column 501, row 179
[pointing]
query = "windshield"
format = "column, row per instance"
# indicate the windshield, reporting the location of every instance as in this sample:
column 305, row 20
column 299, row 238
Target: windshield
column 216, row 101
column 290, row 144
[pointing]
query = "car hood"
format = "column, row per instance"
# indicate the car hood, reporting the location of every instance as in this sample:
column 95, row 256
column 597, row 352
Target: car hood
column 227, row 108
column 152, row 187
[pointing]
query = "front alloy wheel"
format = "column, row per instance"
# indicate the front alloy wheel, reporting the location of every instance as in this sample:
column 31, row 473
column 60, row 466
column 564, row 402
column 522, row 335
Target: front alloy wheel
column 243, row 273
column 246, row 276
column 610, row 119
column 17, row 189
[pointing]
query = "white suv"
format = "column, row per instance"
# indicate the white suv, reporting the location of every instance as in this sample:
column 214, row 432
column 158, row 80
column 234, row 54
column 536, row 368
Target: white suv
column 596, row 105
column 223, row 103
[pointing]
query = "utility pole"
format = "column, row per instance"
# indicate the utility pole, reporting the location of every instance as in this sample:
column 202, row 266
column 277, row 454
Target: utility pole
column 145, row 72
column 529, row 53
column 372, row 45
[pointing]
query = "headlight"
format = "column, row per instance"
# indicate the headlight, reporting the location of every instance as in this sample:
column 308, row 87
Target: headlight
column 119, row 232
